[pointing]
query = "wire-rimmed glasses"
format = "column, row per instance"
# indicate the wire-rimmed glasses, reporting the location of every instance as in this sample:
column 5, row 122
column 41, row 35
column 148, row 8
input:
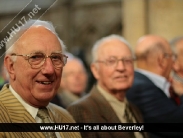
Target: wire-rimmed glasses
column 36, row 60
column 170, row 55
column 113, row 62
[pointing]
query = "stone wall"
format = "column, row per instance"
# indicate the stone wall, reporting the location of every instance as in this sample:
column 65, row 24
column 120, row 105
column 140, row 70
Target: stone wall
column 79, row 23
column 161, row 17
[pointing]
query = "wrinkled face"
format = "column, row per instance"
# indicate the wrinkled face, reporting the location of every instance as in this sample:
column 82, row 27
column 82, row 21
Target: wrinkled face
column 74, row 77
column 36, row 86
column 178, row 65
column 114, row 77
column 169, row 60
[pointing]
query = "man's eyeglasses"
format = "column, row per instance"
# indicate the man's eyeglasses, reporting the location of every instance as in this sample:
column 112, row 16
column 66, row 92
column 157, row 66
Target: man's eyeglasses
column 113, row 62
column 36, row 60
column 169, row 55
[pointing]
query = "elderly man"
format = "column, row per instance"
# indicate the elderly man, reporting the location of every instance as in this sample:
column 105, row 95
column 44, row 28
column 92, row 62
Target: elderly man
column 106, row 103
column 150, row 90
column 34, row 60
column 74, row 81
column 177, row 74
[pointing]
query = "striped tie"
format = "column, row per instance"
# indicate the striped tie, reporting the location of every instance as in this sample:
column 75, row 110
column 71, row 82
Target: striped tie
column 129, row 119
column 43, row 114
column 128, row 116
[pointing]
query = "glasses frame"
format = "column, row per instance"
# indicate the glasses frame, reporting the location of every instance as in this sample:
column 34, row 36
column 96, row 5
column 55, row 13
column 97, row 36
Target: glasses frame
column 27, row 57
column 117, row 61
column 170, row 55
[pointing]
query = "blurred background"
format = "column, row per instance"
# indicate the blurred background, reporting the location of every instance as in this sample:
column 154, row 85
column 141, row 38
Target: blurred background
column 80, row 23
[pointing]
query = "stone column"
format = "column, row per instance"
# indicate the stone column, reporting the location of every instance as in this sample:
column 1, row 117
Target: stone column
column 165, row 17
column 134, row 19
column 160, row 17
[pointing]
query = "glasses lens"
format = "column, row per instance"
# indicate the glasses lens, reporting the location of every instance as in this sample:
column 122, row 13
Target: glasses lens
column 111, row 62
column 128, row 61
column 114, row 61
column 58, row 60
column 35, row 59
column 168, row 55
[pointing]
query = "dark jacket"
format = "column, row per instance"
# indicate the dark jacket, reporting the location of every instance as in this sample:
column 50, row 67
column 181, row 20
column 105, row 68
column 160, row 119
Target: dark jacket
column 93, row 108
column 154, row 105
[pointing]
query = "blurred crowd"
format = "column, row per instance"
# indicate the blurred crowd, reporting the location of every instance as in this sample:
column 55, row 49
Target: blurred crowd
column 121, row 85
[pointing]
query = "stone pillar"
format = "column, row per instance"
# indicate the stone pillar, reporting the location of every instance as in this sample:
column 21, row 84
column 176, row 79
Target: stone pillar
column 165, row 17
column 134, row 19
column 160, row 17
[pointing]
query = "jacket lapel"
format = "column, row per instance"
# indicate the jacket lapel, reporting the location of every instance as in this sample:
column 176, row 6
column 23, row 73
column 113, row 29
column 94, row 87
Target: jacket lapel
column 107, row 112
column 17, row 113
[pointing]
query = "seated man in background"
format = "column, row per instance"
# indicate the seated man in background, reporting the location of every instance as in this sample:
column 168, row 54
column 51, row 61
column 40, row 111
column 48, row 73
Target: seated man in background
column 4, row 76
column 74, row 81
column 177, row 73
column 34, row 61
column 106, row 103
column 150, row 90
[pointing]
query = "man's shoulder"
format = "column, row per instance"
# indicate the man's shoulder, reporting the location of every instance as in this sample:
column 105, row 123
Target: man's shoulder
column 142, row 86
column 89, row 99
column 4, row 90
column 140, row 76
column 60, row 114
column 84, row 101
column 91, row 102
column 6, row 95
column 141, row 80
column 8, row 105
column 56, row 107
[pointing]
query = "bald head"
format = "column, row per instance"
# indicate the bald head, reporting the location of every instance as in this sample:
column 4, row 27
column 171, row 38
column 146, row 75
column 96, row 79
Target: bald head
column 149, row 43
column 154, row 54
column 74, row 78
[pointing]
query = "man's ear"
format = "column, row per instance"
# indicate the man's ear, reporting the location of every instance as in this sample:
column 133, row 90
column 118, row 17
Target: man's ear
column 176, row 65
column 94, row 69
column 161, row 61
column 8, row 63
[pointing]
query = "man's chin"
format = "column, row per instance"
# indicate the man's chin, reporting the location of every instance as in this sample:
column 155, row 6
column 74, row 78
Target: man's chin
column 125, row 87
column 46, row 96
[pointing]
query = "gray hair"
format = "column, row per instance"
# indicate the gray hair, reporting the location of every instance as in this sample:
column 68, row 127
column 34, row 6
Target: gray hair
column 71, row 57
column 10, row 44
column 173, row 43
column 108, row 38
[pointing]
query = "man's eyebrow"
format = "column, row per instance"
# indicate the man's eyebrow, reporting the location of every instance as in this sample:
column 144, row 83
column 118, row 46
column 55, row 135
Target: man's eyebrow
column 57, row 52
column 125, row 57
column 39, row 51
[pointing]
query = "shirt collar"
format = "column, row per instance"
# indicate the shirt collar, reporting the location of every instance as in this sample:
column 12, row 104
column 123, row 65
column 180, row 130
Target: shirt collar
column 111, row 99
column 32, row 110
column 160, row 81
column 118, row 106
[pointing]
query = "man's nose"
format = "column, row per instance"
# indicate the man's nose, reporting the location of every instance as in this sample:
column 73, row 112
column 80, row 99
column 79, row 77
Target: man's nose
column 120, row 65
column 48, row 67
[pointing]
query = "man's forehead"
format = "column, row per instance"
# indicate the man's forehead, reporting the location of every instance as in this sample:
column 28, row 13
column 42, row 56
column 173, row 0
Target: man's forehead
column 37, row 39
column 112, row 44
column 35, row 31
column 38, row 30
column 180, row 44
